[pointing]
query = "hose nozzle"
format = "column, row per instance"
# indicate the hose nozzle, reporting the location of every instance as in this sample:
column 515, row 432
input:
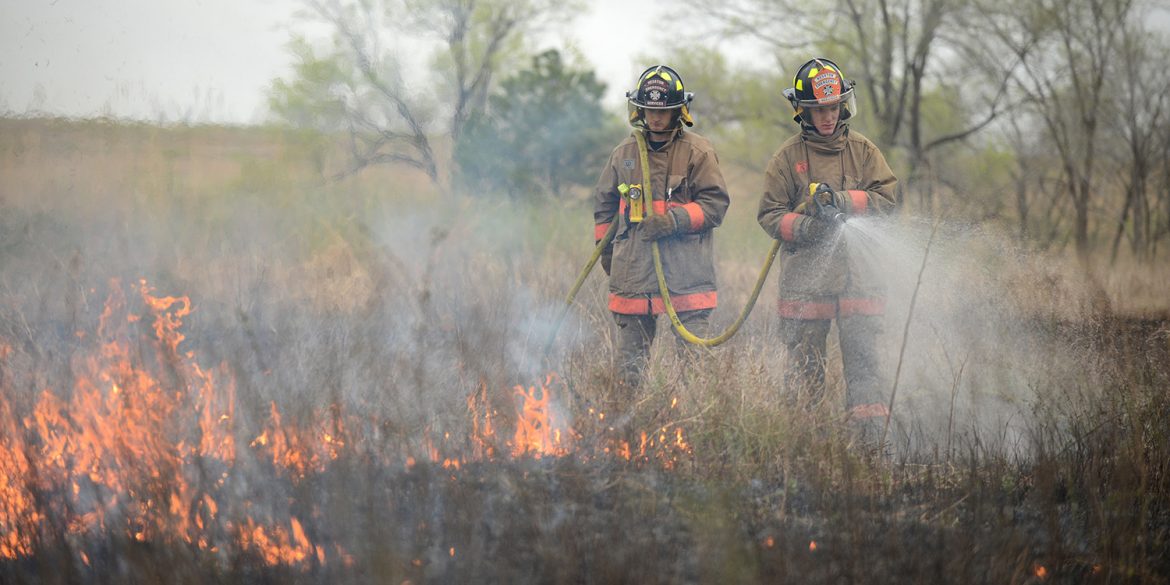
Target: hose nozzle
column 830, row 213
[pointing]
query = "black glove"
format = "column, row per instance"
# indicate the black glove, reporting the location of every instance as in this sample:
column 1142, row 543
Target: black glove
column 659, row 226
column 606, row 258
column 825, row 195
column 819, row 230
column 820, row 195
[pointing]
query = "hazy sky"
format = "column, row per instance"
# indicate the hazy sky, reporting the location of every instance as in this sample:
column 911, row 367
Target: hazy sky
column 202, row 60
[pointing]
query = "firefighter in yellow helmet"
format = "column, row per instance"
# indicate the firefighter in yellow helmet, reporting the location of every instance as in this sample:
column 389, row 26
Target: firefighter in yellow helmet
column 685, row 199
column 825, row 173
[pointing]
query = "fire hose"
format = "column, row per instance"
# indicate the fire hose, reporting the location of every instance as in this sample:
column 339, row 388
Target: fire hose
column 663, row 290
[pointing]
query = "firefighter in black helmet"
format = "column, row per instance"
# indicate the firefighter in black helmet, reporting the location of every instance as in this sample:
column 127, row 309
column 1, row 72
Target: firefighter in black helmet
column 825, row 276
column 685, row 199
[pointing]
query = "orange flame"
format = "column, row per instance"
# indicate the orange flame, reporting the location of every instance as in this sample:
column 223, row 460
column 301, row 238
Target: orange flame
column 128, row 448
column 1040, row 572
column 278, row 546
column 123, row 452
column 539, row 429
column 18, row 516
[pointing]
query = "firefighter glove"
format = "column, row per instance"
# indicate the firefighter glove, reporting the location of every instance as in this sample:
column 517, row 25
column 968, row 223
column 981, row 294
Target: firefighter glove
column 820, row 195
column 659, row 225
column 819, row 230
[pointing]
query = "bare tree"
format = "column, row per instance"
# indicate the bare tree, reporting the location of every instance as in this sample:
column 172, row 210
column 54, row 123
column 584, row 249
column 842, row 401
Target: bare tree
column 1161, row 203
column 900, row 51
column 1061, row 54
column 1142, row 106
column 359, row 83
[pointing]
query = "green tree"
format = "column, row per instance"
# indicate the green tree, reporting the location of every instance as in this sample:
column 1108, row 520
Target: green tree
column 900, row 53
column 357, row 83
column 742, row 111
column 543, row 131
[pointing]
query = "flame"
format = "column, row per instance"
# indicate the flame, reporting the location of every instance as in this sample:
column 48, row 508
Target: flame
column 18, row 515
column 129, row 448
column 483, row 430
column 278, row 546
column 166, row 322
column 539, row 429
column 287, row 450
column 146, row 441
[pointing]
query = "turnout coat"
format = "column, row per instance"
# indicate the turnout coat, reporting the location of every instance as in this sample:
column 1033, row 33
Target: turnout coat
column 686, row 182
column 826, row 279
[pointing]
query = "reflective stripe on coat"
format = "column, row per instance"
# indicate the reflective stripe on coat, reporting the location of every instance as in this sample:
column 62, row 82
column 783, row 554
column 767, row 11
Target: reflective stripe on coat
column 812, row 271
column 692, row 189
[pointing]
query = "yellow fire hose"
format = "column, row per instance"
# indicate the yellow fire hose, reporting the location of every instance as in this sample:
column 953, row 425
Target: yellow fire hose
column 665, row 292
column 662, row 288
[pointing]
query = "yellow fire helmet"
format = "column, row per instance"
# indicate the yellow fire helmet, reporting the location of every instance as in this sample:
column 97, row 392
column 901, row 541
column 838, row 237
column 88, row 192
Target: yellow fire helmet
column 818, row 83
column 659, row 88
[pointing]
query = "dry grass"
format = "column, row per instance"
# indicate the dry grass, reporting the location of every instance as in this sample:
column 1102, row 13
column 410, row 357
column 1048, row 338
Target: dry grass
column 1031, row 444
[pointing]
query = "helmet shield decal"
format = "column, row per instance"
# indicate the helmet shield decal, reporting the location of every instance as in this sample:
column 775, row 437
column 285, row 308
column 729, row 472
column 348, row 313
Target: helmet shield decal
column 820, row 83
column 659, row 88
column 826, row 86
column 654, row 92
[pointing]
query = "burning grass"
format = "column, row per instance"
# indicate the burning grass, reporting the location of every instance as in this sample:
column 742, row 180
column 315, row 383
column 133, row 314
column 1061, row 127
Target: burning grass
column 146, row 448
column 150, row 464
column 318, row 388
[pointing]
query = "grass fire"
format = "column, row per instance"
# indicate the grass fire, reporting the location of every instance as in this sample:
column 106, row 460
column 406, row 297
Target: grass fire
column 217, row 367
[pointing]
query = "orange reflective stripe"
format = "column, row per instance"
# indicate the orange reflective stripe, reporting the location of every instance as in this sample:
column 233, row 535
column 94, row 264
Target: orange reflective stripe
column 659, row 207
column 860, row 201
column 806, row 310
column 691, row 302
column 788, row 226
column 622, row 206
column 599, row 231
column 628, row 306
column 870, row 307
column 872, row 410
column 696, row 214
column 653, row 305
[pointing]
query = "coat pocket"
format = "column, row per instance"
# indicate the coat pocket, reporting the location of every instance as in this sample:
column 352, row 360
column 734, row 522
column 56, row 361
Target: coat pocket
column 689, row 263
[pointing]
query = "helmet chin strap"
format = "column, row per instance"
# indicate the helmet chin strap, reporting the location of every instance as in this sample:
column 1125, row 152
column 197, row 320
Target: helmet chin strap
column 680, row 119
column 669, row 134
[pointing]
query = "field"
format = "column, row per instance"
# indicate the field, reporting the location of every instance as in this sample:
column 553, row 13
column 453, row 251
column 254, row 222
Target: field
column 216, row 366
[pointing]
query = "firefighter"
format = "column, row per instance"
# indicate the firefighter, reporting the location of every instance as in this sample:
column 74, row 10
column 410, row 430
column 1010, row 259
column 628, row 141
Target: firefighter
column 684, row 201
column 828, row 167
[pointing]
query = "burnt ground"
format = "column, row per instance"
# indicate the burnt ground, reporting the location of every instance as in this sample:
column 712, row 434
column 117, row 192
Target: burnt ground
column 566, row 521
column 1093, row 510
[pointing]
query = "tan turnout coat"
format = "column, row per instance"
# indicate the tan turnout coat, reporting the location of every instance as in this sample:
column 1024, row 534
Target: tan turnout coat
column 685, row 182
column 819, row 280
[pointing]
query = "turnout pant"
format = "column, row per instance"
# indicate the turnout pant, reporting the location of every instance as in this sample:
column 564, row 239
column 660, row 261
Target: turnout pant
column 635, row 334
column 805, row 340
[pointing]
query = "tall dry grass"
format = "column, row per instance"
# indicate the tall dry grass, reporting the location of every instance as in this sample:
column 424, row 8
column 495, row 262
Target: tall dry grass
column 1031, row 445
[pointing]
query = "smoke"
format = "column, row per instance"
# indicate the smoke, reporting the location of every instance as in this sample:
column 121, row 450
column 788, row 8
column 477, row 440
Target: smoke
column 982, row 346
column 401, row 308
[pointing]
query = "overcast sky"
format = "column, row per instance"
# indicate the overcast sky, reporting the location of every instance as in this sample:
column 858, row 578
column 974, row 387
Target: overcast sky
column 203, row 60
column 212, row 60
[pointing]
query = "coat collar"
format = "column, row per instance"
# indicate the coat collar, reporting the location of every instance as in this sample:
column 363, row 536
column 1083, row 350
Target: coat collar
column 832, row 143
